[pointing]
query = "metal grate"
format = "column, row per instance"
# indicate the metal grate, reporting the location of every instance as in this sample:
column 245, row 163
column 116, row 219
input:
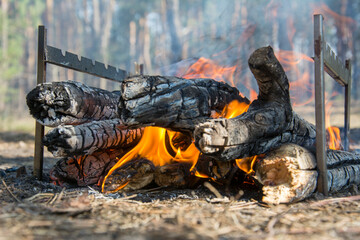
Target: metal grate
column 326, row 60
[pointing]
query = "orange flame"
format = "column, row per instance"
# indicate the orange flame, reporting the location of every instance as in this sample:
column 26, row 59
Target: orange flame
column 206, row 68
column 292, row 62
column 334, row 141
column 246, row 164
column 153, row 144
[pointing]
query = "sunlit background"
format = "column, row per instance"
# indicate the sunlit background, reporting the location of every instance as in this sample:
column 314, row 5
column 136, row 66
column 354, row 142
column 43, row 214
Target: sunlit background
column 174, row 38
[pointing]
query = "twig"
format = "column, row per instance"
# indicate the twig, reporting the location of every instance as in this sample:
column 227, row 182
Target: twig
column 39, row 195
column 57, row 197
column 8, row 189
column 213, row 189
column 335, row 200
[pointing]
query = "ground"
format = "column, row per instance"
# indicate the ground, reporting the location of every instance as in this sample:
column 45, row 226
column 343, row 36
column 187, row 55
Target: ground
column 32, row 209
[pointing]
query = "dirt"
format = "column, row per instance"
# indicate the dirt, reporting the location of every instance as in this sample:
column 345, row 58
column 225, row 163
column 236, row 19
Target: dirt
column 32, row 209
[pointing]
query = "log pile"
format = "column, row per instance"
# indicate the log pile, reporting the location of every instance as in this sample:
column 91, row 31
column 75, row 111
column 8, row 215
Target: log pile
column 94, row 128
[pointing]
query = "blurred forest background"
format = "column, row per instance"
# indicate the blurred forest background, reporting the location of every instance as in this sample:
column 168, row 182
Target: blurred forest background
column 168, row 36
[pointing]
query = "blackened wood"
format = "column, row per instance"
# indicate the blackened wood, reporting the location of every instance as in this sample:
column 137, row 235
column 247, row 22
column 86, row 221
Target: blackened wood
column 87, row 138
column 172, row 102
column 58, row 103
column 268, row 123
column 176, row 175
column 213, row 168
column 343, row 169
column 133, row 175
column 85, row 170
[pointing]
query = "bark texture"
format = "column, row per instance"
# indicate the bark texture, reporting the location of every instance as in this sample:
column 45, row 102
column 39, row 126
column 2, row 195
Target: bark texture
column 69, row 102
column 172, row 102
column 87, row 138
column 85, row 170
column 268, row 123
column 343, row 169
column 133, row 175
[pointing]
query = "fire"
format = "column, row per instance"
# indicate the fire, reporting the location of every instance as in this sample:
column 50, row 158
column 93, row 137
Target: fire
column 292, row 63
column 157, row 144
column 206, row 68
column 334, row 141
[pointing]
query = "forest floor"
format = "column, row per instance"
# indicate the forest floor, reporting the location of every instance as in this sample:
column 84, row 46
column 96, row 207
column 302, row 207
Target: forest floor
column 32, row 209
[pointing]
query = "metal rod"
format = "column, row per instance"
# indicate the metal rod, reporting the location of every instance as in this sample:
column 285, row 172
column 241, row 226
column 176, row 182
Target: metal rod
column 347, row 107
column 322, row 185
column 39, row 129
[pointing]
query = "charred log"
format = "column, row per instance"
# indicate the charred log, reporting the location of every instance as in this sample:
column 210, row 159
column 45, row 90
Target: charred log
column 85, row 170
column 58, row 103
column 133, row 175
column 343, row 169
column 172, row 102
column 175, row 175
column 268, row 123
column 87, row 138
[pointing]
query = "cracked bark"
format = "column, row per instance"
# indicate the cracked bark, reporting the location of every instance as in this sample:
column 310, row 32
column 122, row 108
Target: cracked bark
column 268, row 123
column 87, row 138
column 172, row 102
column 69, row 102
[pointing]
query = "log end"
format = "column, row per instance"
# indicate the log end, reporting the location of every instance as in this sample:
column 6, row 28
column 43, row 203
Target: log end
column 288, row 174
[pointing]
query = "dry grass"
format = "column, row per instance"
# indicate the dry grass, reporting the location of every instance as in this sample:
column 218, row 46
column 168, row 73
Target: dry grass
column 31, row 209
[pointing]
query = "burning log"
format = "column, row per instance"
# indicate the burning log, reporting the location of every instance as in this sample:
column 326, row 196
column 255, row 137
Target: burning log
column 172, row 102
column 58, row 103
column 133, row 175
column 85, row 170
column 268, row 123
column 175, row 175
column 87, row 138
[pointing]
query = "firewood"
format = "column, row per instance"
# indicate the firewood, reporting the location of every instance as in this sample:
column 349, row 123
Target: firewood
column 85, row 170
column 287, row 173
column 268, row 123
column 172, row 102
column 175, row 175
column 343, row 169
column 87, row 138
column 133, row 175
column 214, row 168
column 69, row 102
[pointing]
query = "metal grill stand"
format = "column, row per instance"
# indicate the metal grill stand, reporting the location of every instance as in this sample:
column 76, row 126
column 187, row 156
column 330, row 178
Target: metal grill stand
column 326, row 59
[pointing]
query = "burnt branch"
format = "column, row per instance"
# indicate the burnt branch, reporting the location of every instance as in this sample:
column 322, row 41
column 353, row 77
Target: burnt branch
column 87, row 138
column 85, row 170
column 268, row 123
column 69, row 102
column 172, row 102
